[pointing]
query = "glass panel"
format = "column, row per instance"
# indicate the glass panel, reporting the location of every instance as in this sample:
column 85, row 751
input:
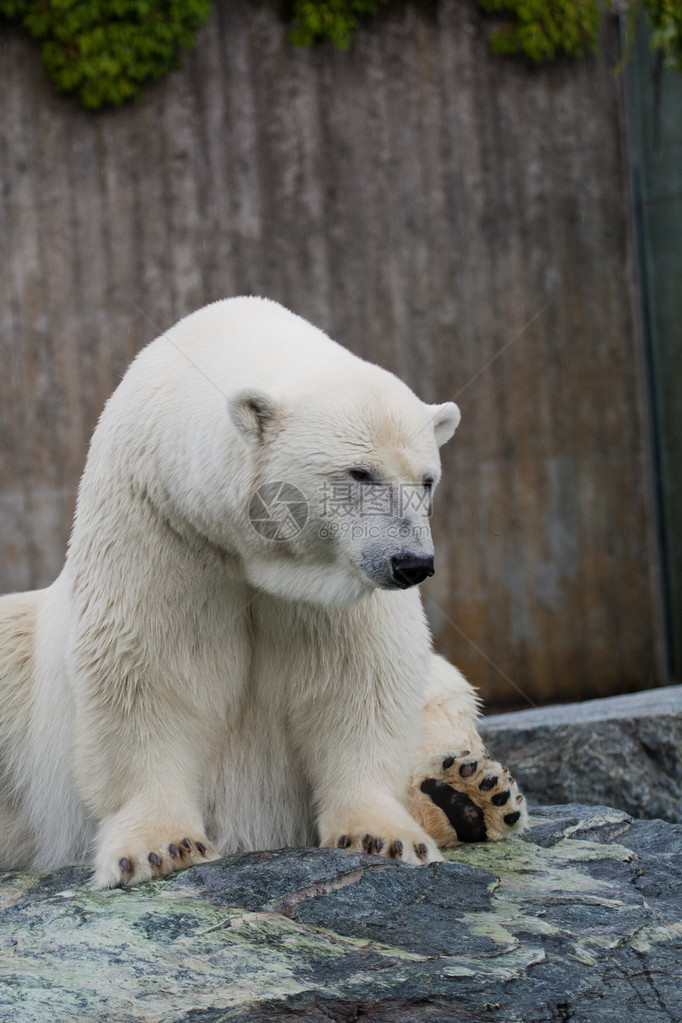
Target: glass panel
column 654, row 98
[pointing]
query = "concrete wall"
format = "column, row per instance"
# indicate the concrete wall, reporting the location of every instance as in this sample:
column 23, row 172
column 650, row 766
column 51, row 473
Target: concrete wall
column 462, row 219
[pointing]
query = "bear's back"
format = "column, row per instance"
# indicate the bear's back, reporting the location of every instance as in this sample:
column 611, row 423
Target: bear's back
column 249, row 341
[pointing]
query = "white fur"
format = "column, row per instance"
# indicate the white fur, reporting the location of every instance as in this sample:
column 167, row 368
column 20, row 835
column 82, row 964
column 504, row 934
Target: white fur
column 185, row 676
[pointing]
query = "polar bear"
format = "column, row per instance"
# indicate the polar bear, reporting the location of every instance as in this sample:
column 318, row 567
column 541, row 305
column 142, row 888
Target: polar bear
column 235, row 655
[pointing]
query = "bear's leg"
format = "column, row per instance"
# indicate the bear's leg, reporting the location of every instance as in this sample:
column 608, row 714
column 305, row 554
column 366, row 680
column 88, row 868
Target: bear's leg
column 359, row 771
column 17, row 669
column 456, row 792
column 141, row 755
column 363, row 809
column 139, row 842
column 360, row 798
column 350, row 696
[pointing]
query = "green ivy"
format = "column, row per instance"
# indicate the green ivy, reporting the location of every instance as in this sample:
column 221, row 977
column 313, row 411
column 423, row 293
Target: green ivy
column 665, row 17
column 544, row 29
column 539, row 29
column 104, row 51
column 336, row 20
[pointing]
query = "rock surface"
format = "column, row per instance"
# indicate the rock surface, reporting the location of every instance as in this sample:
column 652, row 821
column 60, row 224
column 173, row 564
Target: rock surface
column 579, row 920
column 623, row 751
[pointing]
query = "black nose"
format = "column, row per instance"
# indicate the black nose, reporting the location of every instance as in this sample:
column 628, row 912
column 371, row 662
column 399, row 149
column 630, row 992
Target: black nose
column 409, row 570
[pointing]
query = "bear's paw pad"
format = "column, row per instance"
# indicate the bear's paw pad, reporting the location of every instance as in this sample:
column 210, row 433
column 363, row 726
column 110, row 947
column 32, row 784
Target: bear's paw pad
column 133, row 862
column 472, row 799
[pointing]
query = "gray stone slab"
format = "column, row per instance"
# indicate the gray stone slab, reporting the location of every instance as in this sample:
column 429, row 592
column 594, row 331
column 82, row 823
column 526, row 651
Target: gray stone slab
column 624, row 751
column 580, row 920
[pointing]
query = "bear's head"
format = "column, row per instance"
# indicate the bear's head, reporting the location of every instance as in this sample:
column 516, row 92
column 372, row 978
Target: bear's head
column 342, row 467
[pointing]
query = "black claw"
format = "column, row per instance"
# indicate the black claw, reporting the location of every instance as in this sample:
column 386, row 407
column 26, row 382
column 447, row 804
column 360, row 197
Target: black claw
column 343, row 842
column 124, row 863
column 379, row 844
column 397, row 849
column 448, row 762
column 510, row 819
column 500, row 799
column 488, row 783
column 367, row 843
column 154, row 859
column 466, row 770
column 202, row 848
column 421, row 849
column 173, row 850
column 187, row 843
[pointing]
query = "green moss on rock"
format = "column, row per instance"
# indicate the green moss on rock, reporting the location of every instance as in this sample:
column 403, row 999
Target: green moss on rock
column 578, row 920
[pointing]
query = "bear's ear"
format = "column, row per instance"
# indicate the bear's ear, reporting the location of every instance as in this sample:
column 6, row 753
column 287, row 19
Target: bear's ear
column 252, row 412
column 445, row 419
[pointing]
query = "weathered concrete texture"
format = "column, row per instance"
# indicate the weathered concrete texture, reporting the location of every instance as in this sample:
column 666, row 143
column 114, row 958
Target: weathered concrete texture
column 579, row 921
column 461, row 219
column 624, row 751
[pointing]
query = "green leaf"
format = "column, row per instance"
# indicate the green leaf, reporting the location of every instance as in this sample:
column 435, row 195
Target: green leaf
column 104, row 51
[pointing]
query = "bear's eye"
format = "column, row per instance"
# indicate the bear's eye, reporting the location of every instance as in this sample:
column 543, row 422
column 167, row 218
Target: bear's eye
column 428, row 482
column 361, row 474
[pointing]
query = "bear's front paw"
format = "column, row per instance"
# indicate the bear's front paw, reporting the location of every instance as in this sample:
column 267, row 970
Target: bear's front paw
column 409, row 845
column 136, row 860
column 458, row 797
